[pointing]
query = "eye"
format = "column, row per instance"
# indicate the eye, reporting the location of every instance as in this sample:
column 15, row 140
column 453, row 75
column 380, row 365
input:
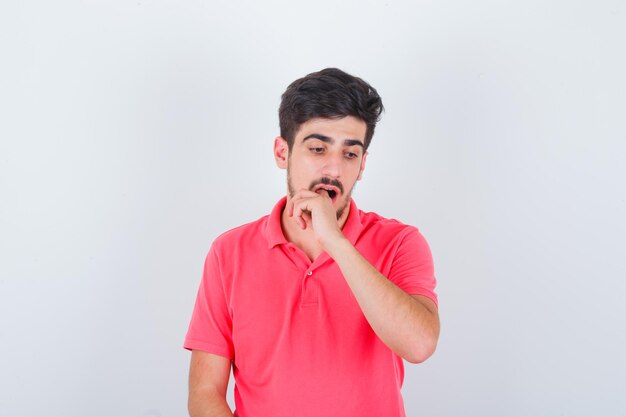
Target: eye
column 316, row 150
column 351, row 155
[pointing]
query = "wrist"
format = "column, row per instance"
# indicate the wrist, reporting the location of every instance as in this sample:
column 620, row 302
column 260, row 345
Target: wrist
column 334, row 243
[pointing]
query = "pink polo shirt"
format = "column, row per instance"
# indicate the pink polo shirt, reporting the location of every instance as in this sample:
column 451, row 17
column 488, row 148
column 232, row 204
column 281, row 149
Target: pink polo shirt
column 299, row 343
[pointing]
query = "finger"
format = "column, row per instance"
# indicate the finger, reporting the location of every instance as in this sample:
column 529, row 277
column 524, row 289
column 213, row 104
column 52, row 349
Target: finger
column 324, row 193
column 306, row 220
column 304, row 193
column 298, row 208
column 303, row 201
column 307, row 195
column 300, row 220
column 302, row 211
column 293, row 201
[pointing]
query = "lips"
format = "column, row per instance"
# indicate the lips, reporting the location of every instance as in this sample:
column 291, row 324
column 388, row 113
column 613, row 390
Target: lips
column 331, row 190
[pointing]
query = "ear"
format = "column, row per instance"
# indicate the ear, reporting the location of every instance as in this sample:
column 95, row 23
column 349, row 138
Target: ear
column 362, row 166
column 281, row 152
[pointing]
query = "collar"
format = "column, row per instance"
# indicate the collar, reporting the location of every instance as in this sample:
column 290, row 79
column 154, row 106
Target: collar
column 274, row 233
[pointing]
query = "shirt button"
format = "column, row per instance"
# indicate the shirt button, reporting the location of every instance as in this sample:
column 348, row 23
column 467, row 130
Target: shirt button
column 310, row 273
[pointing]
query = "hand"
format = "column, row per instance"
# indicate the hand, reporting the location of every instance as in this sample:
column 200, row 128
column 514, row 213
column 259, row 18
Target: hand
column 315, row 210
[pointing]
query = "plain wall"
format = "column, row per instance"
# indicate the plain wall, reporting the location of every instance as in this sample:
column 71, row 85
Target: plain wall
column 132, row 133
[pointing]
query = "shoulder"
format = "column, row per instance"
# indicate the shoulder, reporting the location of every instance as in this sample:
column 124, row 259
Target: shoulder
column 374, row 223
column 248, row 234
column 391, row 234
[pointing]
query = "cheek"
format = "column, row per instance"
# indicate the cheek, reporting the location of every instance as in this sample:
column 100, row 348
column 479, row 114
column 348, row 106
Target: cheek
column 355, row 170
column 308, row 168
column 301, row 174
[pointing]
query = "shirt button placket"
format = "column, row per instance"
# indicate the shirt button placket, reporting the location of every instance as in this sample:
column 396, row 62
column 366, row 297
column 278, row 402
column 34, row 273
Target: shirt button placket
column 310, row 290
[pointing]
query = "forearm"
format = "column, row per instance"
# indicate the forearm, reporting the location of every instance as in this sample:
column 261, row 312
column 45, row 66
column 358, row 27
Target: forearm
column 208, row 405
column 399, row 320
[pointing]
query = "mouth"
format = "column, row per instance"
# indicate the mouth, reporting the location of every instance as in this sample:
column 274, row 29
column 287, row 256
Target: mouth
column 332, row 191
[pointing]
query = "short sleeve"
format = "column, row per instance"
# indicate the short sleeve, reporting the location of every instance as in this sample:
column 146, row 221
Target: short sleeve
column 412, row 268
column 210, row 329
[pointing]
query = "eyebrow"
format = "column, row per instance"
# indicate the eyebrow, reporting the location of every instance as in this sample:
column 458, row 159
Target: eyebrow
column 326, row 139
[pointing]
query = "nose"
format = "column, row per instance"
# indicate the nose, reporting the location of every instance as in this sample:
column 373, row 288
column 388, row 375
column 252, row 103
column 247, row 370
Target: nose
column 332, row 167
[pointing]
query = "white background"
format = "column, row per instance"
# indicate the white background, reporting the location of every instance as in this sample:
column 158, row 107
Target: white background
column 134, row 132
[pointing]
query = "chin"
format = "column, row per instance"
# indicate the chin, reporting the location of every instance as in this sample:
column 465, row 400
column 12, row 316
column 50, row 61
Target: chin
column 344, row 206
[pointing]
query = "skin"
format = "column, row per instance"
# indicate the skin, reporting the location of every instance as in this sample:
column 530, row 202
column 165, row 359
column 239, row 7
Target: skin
column 329, row 149
column 323, row 148
column 208, row 381
column 408, row 324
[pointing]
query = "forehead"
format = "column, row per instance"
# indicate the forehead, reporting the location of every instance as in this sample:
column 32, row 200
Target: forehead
column 348, row 127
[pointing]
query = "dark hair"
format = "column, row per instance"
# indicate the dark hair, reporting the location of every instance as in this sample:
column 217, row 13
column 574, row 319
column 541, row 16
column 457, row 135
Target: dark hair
column 329, row 93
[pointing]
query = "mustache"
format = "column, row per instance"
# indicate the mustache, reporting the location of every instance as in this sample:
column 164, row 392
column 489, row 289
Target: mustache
column 327, row 181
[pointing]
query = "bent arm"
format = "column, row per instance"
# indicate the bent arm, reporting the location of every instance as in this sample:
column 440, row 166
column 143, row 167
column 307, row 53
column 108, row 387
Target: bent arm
column 208, row 380
column 409, row 325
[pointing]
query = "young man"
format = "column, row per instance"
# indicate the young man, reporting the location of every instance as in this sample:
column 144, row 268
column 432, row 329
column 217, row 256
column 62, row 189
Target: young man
column 315, row 305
